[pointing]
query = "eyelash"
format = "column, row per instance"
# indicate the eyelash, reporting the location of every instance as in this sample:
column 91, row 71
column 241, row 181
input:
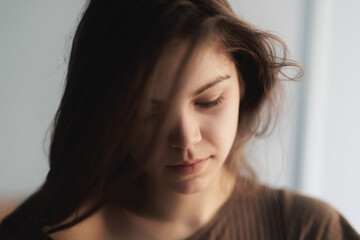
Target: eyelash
column 211, row 104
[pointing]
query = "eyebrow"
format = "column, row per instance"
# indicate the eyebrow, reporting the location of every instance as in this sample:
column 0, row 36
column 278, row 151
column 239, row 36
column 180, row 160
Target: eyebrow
column 211, row 84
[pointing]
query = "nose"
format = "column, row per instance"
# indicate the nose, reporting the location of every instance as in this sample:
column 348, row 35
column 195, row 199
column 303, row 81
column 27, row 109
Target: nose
column 186, row 132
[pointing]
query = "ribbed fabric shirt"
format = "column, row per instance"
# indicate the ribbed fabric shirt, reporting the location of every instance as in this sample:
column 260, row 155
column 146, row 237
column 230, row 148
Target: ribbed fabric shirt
column 259, row 213
column 263, row 213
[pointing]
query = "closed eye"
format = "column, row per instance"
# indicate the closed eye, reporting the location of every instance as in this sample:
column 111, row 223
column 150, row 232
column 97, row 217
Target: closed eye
column 210, row 104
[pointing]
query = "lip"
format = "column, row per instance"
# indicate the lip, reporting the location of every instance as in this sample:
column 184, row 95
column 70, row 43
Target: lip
column 187, row 168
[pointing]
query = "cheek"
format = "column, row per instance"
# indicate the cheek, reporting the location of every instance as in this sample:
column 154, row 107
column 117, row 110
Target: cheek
column 221, row 127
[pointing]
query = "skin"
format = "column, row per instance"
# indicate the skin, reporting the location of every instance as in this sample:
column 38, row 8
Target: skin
column 177, row 205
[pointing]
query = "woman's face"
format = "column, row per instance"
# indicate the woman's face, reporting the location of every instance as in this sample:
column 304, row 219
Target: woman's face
column 206, row 118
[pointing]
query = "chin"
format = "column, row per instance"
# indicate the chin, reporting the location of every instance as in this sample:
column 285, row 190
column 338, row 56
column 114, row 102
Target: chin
column 192, row 184
column 189, row 186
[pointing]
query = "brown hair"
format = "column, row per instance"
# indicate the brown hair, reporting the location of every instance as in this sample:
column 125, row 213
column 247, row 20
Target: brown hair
column 115, row 54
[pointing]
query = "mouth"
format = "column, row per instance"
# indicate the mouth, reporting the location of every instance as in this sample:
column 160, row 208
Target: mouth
column 188, row 167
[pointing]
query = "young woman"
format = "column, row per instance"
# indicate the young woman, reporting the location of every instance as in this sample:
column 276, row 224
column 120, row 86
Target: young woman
column 160, row 98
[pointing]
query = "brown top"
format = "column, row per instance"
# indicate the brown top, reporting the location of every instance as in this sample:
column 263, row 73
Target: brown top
column 265, row 213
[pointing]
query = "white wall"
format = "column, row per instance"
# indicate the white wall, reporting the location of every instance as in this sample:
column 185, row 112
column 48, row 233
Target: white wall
column 332, row 153
column 34, row 40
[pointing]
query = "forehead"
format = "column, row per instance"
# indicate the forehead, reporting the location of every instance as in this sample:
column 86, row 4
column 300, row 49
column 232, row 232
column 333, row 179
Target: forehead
column 206, row 63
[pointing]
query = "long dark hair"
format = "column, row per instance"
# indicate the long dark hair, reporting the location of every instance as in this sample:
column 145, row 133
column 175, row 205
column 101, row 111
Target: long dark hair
column 116, row 51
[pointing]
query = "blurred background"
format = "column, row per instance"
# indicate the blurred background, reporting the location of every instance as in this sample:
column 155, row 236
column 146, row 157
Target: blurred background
column 315, row 149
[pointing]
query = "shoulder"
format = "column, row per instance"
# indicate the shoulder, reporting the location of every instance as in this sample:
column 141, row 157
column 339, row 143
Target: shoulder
column 290, row 215
column 312, row 218
column 298, row 207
